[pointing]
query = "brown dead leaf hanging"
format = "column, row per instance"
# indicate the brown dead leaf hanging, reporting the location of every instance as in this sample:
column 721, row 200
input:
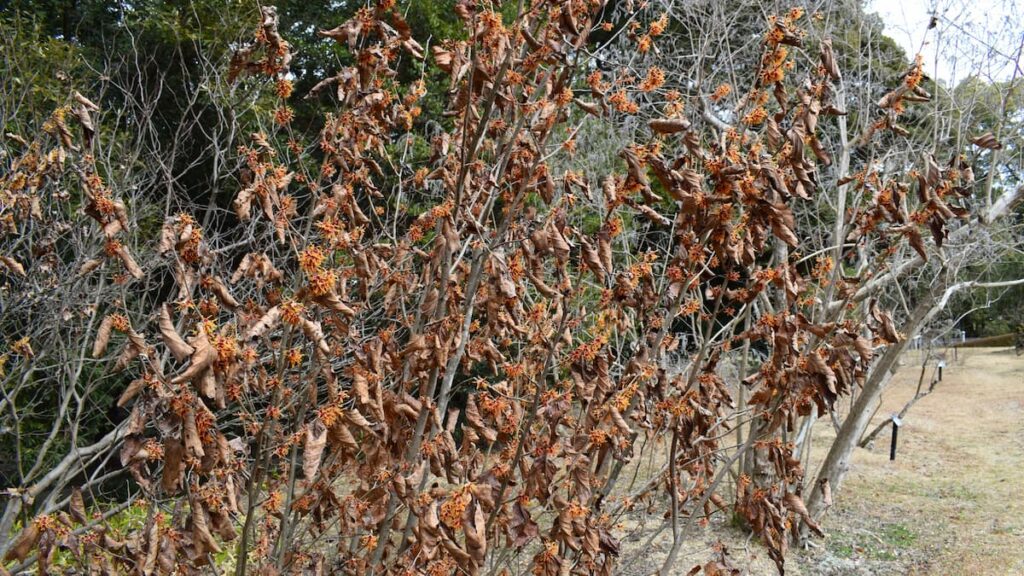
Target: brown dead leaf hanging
column 333, row 302
column 315, row 332
column 223, row 294
column 653, row 215
column 266, row 322
column 190, row 434
column 588, row 107
column 13, row 265
column 201, row 536
column 25, row 543
column 828, row 60
column 174, row 342
column 129, row 262
column 987, row 141
column 89, row 265
column 316, row 440
column 916, row 241
column 637, row 171
column 131, row 391
column 76, row 506
column 884, row 326
column 592, row 259
column 476, row 536
column 99, row 346
column 174, row 457
column 203, row 357
column 347, row 33
column 669, row 125
column 341, row 436
column 796, row 504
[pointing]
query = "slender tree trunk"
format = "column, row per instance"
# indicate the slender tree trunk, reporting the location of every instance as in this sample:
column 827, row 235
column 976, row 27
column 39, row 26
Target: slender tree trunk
column 742, row 391
column 837, row 462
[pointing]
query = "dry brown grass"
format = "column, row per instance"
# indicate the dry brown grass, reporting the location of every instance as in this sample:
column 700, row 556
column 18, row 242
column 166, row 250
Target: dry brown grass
column 951, row 504
column 953, row 501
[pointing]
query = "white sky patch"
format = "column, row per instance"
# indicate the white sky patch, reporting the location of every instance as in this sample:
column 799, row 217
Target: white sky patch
column 971, row 37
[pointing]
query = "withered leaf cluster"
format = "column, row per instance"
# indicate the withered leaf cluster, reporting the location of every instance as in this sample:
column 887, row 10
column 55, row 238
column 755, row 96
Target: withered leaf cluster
column 374, row 390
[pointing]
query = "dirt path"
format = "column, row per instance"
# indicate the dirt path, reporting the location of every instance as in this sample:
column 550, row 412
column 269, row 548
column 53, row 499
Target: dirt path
column 953, row 501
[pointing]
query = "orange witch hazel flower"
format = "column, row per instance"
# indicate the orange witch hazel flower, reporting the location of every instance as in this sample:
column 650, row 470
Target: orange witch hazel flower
column 311, row 259
column 655, row 79
column 643, row 45
column 913, row 79
column 720, row 92
column 283, row 115
column 294, row 357
column 284, row 88
column 453, row 507
column 659, row 26
column 322, row 282
column 291, row 312
column 120, row 322
column 756, row 116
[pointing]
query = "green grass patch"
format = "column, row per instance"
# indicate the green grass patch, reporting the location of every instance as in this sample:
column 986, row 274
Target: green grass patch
column 844, row 550
column 884, row 545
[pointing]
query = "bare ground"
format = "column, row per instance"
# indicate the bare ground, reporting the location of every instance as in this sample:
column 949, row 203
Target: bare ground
column 952, row 503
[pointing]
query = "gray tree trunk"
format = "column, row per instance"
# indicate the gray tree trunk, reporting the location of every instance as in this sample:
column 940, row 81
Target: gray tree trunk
column 837, row 462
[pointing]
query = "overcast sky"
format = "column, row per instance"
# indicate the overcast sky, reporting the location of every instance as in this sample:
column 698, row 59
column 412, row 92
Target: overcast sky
column 972, row 37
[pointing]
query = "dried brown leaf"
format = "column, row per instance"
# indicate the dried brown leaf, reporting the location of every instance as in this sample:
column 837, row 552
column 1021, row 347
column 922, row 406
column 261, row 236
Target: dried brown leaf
column 174, row 342
column 13, row 265
column 316, row 440
column 669, row 125
column 129, row 262
column 99, row 346
column 24, row 544
column 987, row 141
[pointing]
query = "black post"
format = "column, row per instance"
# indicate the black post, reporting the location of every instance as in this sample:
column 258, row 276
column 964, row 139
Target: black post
column 892, row 446
column 940, row 372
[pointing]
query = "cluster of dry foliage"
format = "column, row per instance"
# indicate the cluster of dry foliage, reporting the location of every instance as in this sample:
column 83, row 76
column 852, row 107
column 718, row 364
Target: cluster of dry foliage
column 343, row 386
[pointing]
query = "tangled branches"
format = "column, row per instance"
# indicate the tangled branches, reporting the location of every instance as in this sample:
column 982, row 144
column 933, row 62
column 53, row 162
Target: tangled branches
column 429, row 365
